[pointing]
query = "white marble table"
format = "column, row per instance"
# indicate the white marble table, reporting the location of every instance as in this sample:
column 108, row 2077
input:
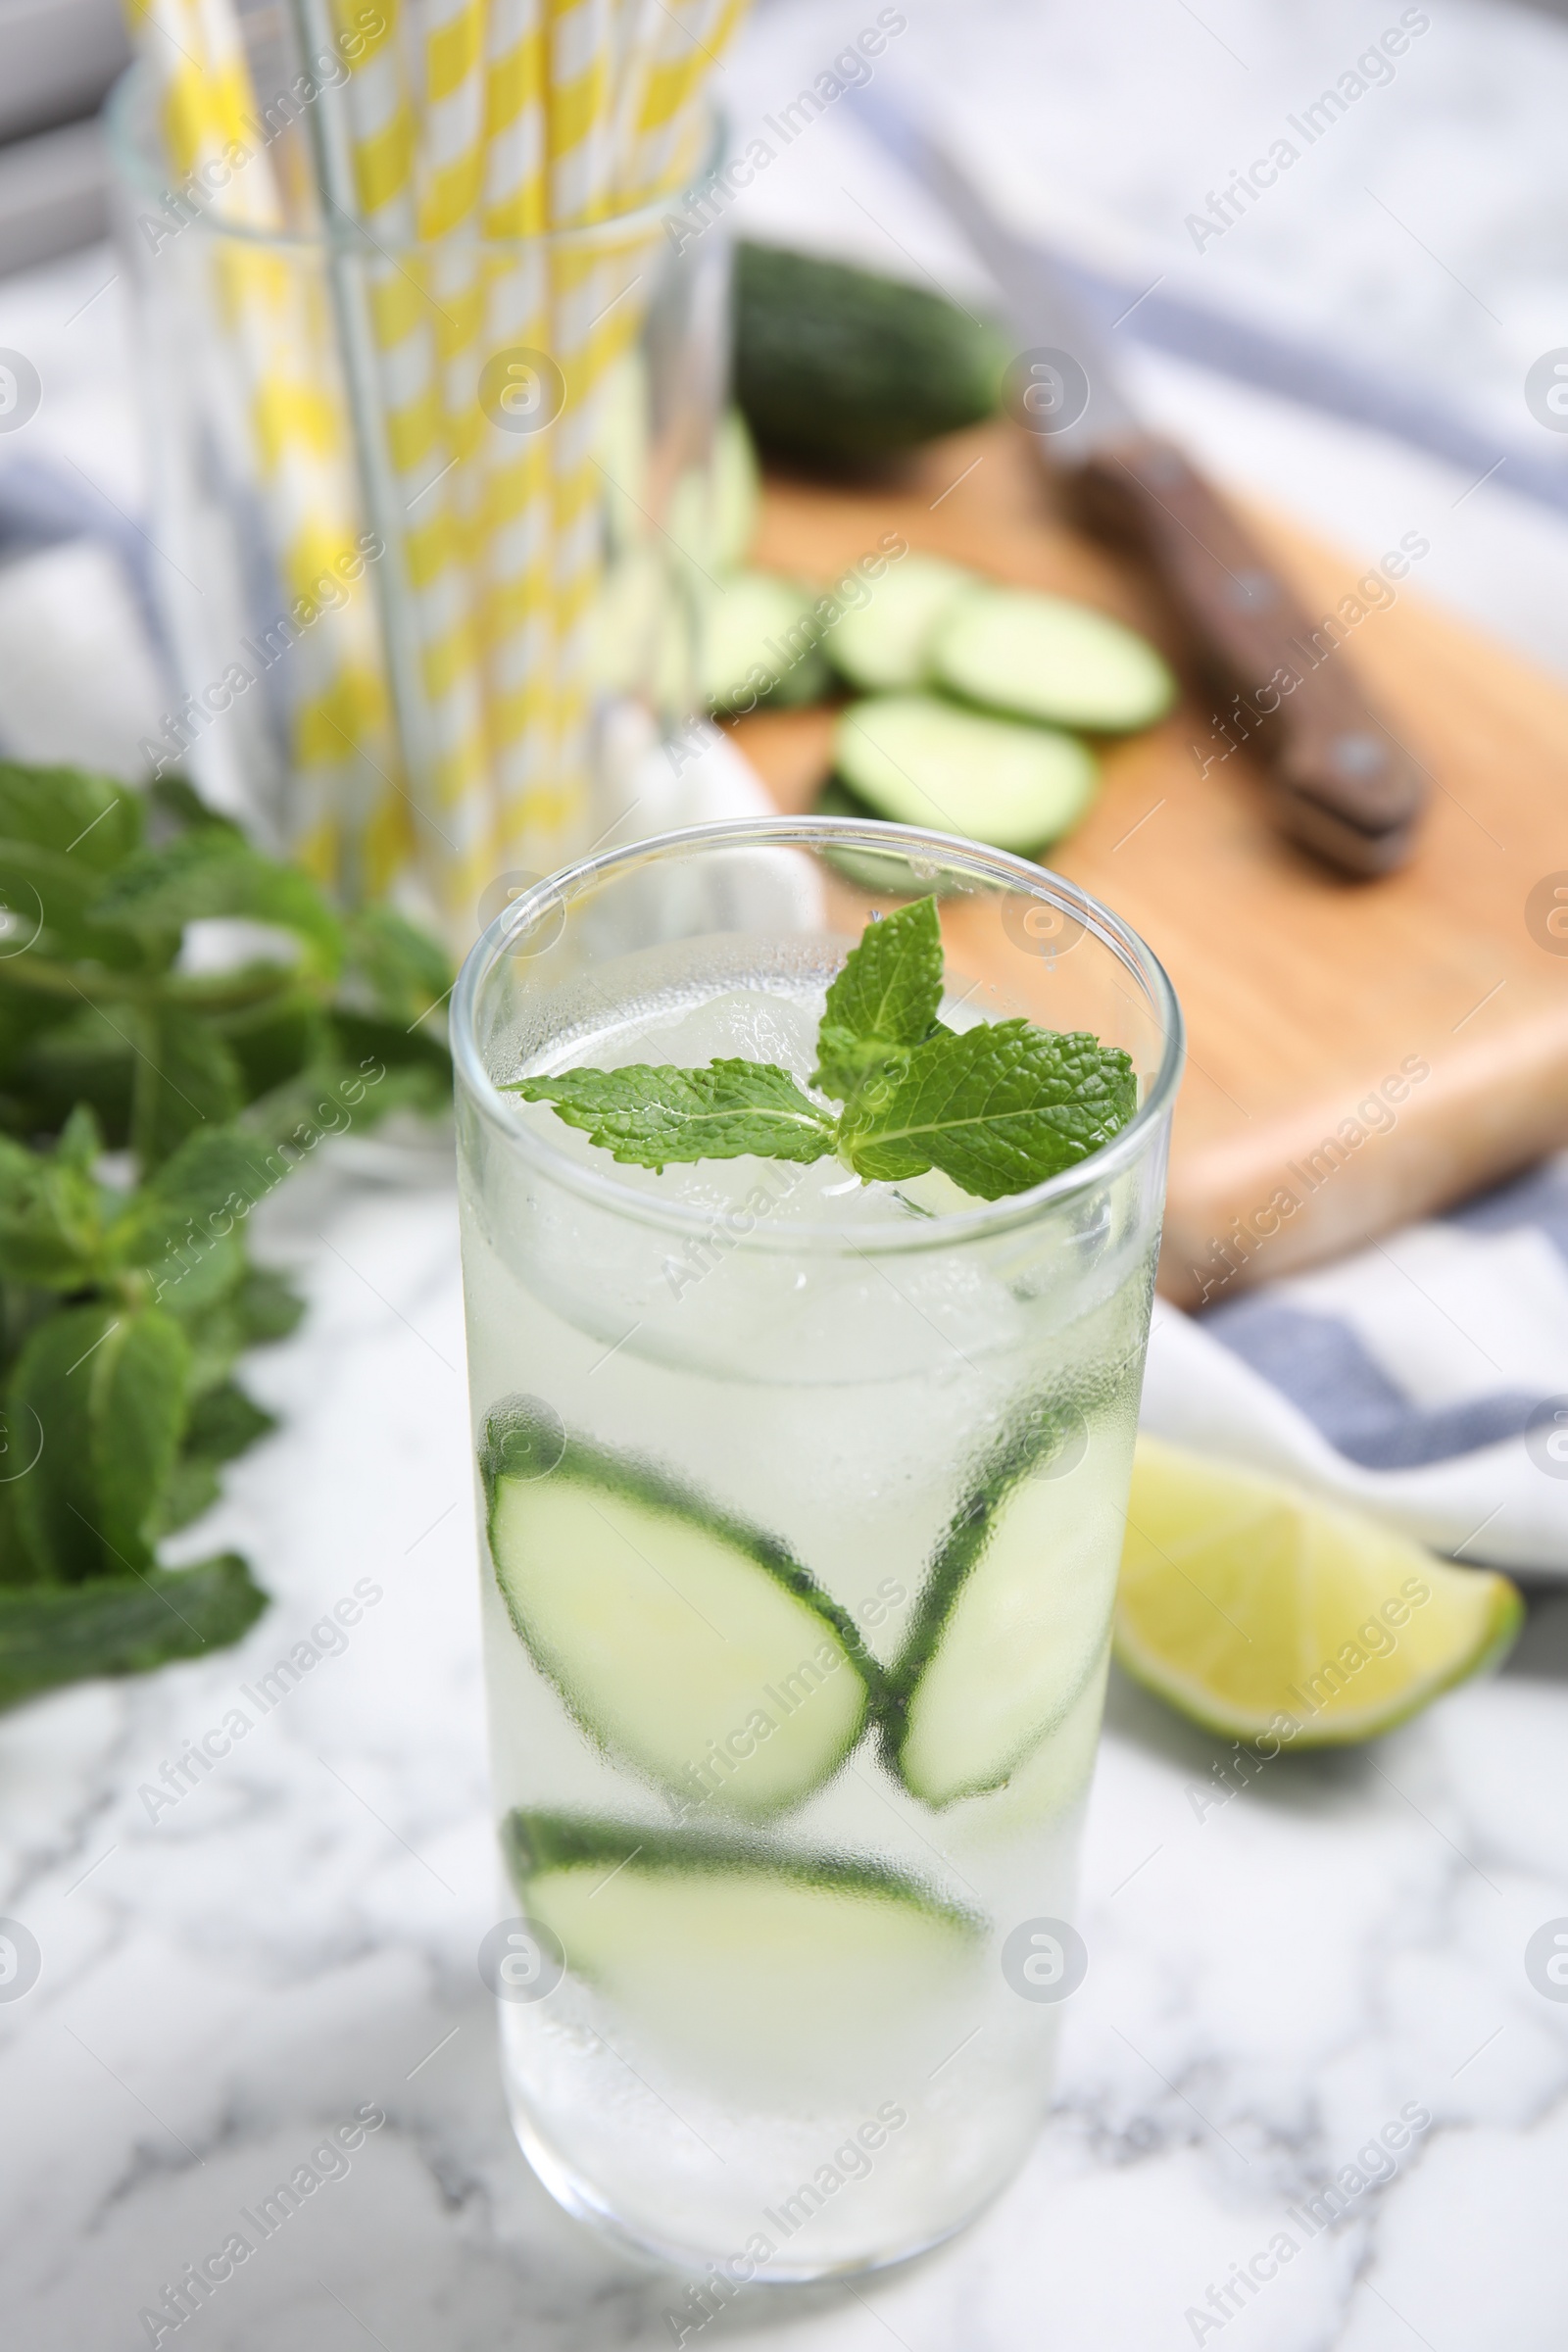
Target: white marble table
column 1272, row 1980
column 226, row 1978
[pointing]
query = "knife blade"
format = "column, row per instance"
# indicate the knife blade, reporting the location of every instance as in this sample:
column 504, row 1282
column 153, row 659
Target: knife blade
column 1342, row 784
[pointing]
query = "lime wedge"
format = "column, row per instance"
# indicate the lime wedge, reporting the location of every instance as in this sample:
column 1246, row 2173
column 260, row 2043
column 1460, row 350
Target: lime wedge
column 1265, row 1614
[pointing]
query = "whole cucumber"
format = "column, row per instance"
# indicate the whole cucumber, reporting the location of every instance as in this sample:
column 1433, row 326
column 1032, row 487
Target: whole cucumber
column 839, row 365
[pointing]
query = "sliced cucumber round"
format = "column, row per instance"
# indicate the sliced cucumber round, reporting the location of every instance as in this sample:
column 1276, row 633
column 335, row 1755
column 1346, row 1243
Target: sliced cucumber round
column 1045, row 658
column 540, row 1845
column 759, row 645
column 923, row 761
column 1011, row 1625
column 884, row 646
column 685, row 1643
column 797, row 1959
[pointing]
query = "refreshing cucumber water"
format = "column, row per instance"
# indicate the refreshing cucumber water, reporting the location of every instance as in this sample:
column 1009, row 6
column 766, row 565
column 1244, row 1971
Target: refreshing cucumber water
column 802, row 1516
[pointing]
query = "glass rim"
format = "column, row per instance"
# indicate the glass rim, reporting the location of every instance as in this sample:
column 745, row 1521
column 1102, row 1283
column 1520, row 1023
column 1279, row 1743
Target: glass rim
column 816, row 1237
column 133, row 165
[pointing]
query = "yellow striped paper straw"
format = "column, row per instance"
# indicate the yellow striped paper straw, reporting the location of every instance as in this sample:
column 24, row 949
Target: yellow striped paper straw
column 580, row 165
column 451, row 161
column 519, row 630
column 577, row 118
column 663, row 119
column 449, row 55
column 659, row 90
column 448, row 765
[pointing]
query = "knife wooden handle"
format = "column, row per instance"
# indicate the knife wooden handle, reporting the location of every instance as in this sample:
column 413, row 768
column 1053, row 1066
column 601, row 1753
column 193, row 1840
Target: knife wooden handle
column 1343, row 787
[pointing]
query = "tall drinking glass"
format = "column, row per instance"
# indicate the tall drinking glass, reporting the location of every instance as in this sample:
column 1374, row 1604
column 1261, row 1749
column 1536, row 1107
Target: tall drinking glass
column 803, row 1501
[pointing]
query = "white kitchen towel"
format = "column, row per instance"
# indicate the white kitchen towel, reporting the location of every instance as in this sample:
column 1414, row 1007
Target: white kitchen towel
column 1425, row 1377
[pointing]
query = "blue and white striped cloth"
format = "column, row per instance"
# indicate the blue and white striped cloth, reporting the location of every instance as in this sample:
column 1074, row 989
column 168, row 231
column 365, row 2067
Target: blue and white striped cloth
column 1426, row 1377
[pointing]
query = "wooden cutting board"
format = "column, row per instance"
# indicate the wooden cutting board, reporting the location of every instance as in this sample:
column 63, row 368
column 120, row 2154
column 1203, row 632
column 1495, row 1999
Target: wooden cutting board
column 1305, row 994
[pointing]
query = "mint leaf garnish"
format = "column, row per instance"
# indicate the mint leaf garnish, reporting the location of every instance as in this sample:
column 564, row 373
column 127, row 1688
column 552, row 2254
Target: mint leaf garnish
column 651, row 1115
column 998, row 1107
column 885, row 1000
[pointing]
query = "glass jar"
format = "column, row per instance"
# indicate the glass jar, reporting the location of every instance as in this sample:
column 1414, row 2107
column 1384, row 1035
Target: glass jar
column 433, row 521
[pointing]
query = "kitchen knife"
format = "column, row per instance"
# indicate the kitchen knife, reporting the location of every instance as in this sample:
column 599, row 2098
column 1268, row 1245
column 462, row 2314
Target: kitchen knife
column 1343, row 787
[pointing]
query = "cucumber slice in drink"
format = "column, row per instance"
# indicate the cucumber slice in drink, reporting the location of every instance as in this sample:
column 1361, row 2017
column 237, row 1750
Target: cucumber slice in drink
column 922, row 761
column 884, row 646
column 541, row 1847
column 788, row 1959
column 1045, row 658
column 1012, row 1621
column 759, row 645
column 684, row 1642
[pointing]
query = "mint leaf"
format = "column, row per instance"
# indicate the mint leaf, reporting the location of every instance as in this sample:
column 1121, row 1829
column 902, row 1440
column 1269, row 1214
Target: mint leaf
column 88, row 817
column 51, row 1635
column 651, row 1115
column 211, row 872
column 51, row 1210
column 52, row 901
column 223, row 1425
column 83, row 1057
column 225, row 1422
column 103, row 1393
column 182, row 1232
column 179, row 808
column 184, row 1078
column 256, row 1312
column 217, row 1174
column 80, row 1142
column 884, row 1001
column 275, row 1038
column 998, row 1108
column 140, row 1393
column 195, row 1485
column 391, row 970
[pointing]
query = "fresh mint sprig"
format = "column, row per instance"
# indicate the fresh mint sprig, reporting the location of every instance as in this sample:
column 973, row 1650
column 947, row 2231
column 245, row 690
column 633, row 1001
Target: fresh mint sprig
column 998, row 1108
column 128, row 1298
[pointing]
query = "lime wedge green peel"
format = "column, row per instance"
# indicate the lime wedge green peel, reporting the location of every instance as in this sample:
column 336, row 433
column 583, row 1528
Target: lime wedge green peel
column 1267, row 1615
